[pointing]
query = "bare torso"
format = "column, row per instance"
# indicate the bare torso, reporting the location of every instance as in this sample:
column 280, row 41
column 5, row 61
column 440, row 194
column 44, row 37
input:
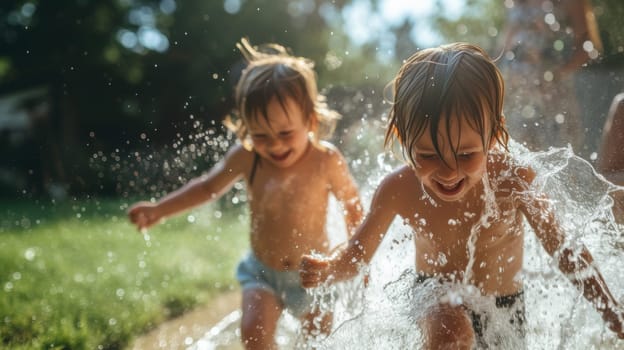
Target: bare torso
column 445, row 231
column 289, row 209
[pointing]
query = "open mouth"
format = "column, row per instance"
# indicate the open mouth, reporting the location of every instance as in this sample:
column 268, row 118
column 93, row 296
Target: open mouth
column 450, row 189
column 280, row 157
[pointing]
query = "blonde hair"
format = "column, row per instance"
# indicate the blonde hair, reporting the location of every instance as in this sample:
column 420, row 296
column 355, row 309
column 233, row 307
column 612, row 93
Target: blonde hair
column 272, row 72
column 457, row 80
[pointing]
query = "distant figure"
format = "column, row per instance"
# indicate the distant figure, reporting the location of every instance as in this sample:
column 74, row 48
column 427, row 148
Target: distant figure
column 465, row 198
column 611, row 155
column 545, row 43
column 290, row 175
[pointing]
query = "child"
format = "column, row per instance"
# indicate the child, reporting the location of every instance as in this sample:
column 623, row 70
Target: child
column 289, row 174
column 464, row 198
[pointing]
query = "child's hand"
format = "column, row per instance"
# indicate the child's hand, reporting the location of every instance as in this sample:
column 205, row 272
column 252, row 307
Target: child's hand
column 143, row 215
column 313, row 271
column 614, row 318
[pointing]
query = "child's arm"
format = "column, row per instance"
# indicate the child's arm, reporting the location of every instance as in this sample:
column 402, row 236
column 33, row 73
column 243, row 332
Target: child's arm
column 576, row 264
column 346, row 192
column 579, row 268
column 360, row 248
column 207, row 187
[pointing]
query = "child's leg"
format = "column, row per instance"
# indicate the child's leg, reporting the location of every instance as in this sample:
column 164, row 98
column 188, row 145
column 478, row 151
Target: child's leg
column 448, row 327
column 261, row 311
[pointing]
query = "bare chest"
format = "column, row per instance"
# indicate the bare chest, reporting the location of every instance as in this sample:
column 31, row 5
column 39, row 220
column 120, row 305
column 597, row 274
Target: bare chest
column 459, row 230
column 283, row 193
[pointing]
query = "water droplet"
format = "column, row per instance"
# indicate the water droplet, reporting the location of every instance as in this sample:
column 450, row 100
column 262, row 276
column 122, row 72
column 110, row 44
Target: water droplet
column 29, row 254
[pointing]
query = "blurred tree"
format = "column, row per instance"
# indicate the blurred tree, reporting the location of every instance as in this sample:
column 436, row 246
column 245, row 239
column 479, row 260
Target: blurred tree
column 479, row 23
column 481, row 20
column 139, row 74
column 61, row 48
column 128, row 81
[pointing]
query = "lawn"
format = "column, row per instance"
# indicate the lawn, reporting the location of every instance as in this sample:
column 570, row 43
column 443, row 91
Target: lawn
column 77, row 275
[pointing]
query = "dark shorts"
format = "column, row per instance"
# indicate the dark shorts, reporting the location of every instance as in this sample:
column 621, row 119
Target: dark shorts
column 514, row 303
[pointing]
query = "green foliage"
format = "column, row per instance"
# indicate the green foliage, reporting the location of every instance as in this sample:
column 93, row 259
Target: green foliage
column 94, row 51
column 77, row 276
column 137, row 76
column 480, row 23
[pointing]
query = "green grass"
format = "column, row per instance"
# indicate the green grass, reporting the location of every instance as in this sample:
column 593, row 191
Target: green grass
column 77, row 275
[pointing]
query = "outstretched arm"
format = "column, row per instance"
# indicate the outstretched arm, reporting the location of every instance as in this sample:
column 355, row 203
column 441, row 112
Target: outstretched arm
column 579, row 267
column 575, row 262
column 361, row 247
column 346, row 192
column 199, row 190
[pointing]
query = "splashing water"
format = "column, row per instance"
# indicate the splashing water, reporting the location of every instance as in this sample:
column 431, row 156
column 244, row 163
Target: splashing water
column 146, row 237
column 385, row 314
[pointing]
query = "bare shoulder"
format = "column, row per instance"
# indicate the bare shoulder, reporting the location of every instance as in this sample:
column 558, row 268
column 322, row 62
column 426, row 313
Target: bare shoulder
column 508, row 174
column 238, row 159
column 398, row 183
column 328, row 149
column 329, row 154
column 397, row 194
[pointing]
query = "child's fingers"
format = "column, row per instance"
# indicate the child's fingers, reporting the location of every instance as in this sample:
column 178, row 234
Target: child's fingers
column 142, row 222
column 134, row 212
column 619, row 326
column 312, row 262
column 311, row 271
column 136, row 216
column 136, row 208
column 310, row 281
column 140, row 219
column 312, row 266
column 615, row 321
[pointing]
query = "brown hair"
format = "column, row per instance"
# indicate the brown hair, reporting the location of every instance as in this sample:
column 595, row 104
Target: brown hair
column 272, row 72
column 457, row 80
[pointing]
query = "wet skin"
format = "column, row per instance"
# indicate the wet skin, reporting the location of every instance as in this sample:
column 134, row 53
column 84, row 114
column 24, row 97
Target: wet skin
column 288, row 201
column 466, row 231
column 289, row 194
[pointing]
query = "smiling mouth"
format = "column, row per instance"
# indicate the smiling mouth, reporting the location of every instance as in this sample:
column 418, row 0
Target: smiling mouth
column 280, row 157
column 450, row 189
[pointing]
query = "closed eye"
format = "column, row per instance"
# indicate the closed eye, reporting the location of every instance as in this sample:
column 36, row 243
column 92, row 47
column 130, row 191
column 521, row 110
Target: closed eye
column 427, row 156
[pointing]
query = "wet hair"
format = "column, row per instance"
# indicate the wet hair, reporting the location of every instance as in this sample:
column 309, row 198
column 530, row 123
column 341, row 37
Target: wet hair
column 457, row 80
column 273, row 73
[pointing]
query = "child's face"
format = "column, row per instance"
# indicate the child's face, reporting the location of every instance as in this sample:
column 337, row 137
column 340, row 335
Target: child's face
column 449, row 179
column 284, row 138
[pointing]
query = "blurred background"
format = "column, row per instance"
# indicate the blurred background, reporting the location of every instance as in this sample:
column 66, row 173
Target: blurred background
column 124, row 97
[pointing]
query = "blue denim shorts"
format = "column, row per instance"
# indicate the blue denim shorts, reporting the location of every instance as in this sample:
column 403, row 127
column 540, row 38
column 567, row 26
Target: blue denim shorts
column 285, row 285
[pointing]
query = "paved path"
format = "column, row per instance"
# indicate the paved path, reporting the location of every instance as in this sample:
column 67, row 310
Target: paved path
column 181, row 332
